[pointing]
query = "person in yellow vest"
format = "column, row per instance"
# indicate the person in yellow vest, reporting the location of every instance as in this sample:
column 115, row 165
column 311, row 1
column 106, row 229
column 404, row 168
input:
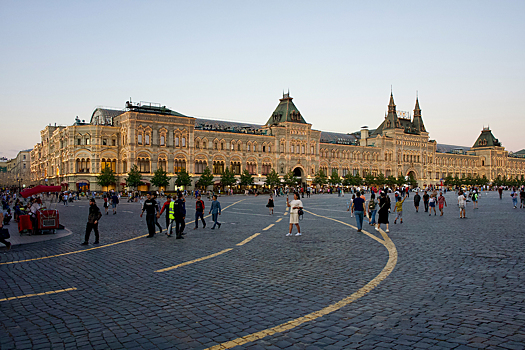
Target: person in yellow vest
column 177, row 213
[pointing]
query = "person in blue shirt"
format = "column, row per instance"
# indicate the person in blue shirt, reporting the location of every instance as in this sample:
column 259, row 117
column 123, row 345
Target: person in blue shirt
column 215, row 211
column 358, row 206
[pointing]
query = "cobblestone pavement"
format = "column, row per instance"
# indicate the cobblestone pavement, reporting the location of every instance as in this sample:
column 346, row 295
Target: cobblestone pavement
column 457, row 284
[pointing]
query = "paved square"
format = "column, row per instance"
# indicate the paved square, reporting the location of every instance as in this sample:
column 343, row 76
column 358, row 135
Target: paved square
column 433, row 282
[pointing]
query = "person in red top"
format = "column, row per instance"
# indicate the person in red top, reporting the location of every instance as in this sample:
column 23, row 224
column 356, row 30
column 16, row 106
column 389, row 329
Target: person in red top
column 441, row 202
column 166, row 207
column 199, row 213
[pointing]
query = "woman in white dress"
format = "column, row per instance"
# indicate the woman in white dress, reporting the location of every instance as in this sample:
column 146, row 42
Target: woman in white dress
column 294, row 205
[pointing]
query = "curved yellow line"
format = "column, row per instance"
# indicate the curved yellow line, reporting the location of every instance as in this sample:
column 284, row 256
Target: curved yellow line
column 389, row 267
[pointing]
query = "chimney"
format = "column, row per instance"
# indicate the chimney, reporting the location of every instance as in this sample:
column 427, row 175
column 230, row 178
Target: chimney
column 364, row 136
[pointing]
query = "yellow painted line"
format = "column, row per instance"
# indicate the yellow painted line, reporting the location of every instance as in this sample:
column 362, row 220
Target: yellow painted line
column 37, row 294
column 344, row 223
column 194, row 261
column 99, row 247
column 248, row 239
column 285, row 213
column 389, row 267
column 279, row 220
column 287, row 208
column 75, row 252
column 268, row 227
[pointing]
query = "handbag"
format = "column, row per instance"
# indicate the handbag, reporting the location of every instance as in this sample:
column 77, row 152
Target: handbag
column 4, row 233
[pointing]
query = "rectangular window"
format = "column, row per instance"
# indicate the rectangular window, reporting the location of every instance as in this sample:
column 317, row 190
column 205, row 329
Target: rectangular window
column 140, row 139
column 147, row 139
column 104, row 142
column 183, row 142
column 248, row 148
column 24, row 157
column 162, row 140
column 176, row 141
column 114, row 142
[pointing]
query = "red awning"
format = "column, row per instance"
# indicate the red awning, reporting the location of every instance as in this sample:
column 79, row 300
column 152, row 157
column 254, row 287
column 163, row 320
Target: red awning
column 122, row 184
column 39, row 189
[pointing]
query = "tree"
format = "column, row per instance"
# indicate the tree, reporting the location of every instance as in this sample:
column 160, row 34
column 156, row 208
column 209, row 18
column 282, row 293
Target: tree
column 369, row 179
column 412, row 181
column 348, row 180
column 246, row 178
column 134, row 178
column 106, row 177
column 449, row 180
column 160, row 178
column 358, row 180
column 228, row 178
column 380, row 180
column 183, row 178
column 400, row 180
column 391, row 181
column 206, row 179
column 320, row 178
column 335, row 179
column 484, row 181
column 273, row 179
column 290, row 179
column 457, row 181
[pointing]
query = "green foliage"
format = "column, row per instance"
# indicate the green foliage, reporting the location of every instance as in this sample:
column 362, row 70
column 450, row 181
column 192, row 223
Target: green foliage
column 457, row 181
column 228, row 178
column 391, row 181
column 412, row 182
column 369, row 179
column 335, row 179
column 273, row 179
column 106, row 177
column 348, row 180
column 358, row 180
column 246, row 178
column 449, row 180
column 400, row 181
column 206, row 179
column 183, row 178
column 160, row 178
column 320, row 178
column 134, row 178
column 290, row 179
column 380, row 179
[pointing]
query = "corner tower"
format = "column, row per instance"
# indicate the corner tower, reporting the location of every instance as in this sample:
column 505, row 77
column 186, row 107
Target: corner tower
column 418, row 121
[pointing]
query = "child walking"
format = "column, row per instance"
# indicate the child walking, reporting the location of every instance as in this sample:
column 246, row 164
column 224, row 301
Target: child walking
column 399, row 209
column 270, row 204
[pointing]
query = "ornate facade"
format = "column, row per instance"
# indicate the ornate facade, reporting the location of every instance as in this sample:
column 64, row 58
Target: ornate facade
column 151, row 136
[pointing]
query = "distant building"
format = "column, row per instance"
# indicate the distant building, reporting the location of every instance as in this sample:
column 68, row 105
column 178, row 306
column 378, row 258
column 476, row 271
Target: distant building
column 151, row 136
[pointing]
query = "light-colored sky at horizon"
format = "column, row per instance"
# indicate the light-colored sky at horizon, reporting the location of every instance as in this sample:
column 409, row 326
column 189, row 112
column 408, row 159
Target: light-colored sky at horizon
column 231, row 60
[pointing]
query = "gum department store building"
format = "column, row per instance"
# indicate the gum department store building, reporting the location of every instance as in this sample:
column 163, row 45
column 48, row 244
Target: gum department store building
column 152, row 136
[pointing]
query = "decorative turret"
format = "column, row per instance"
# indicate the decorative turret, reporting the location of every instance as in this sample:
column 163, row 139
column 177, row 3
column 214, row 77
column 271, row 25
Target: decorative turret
column 391, row 121
column 418, row 121
column 486, row 139
column 285, row 112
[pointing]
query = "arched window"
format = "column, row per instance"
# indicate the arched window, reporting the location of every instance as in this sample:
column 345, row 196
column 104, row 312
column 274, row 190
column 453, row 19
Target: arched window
column 179, row 165
column 139, row 139
column 162, row 163
column 218, row 167
column 177, row 141
column 183, row 142
column 200, row 165
column 143, row 164
column 266, row 168
column 239, row 146
column 235, row 167
column 162, row 140
column 251, row 167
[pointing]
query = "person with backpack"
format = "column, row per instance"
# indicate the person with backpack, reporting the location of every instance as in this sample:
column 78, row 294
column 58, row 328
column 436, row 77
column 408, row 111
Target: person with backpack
column 199, row 212
column 372, row 209
column 475, row 197
column 177, row 213
column 114, row 202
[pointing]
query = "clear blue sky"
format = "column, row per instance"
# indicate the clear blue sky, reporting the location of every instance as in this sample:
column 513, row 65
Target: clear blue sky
column 231, row 60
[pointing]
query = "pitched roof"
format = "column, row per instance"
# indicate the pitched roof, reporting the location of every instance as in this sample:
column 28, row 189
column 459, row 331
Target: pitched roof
column 335, row 137
column 286, row 111
column 486, row 139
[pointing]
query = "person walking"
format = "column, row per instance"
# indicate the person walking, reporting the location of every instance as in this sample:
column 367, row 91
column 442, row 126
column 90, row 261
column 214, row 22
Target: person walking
column 199, row 212
column 462, row 201
column 383, row 211
column 114, row 202
column 441, row 202
column 417, row 199
column 94, row 216
column 215, row 211
column 294, row 206
column 426, row 197
column 150, row 207
column 106, row 204
column 372, row 209
column 475, row 197
column 432, row 204
column 177, row 212
column 358, row 207
column 270, row 205
column 399, row 209
column 157, row 205
column 65, row 198
column 166, row 208
column 500, row 191
column 514, row 196
column 4, row 236
column 522, row 197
